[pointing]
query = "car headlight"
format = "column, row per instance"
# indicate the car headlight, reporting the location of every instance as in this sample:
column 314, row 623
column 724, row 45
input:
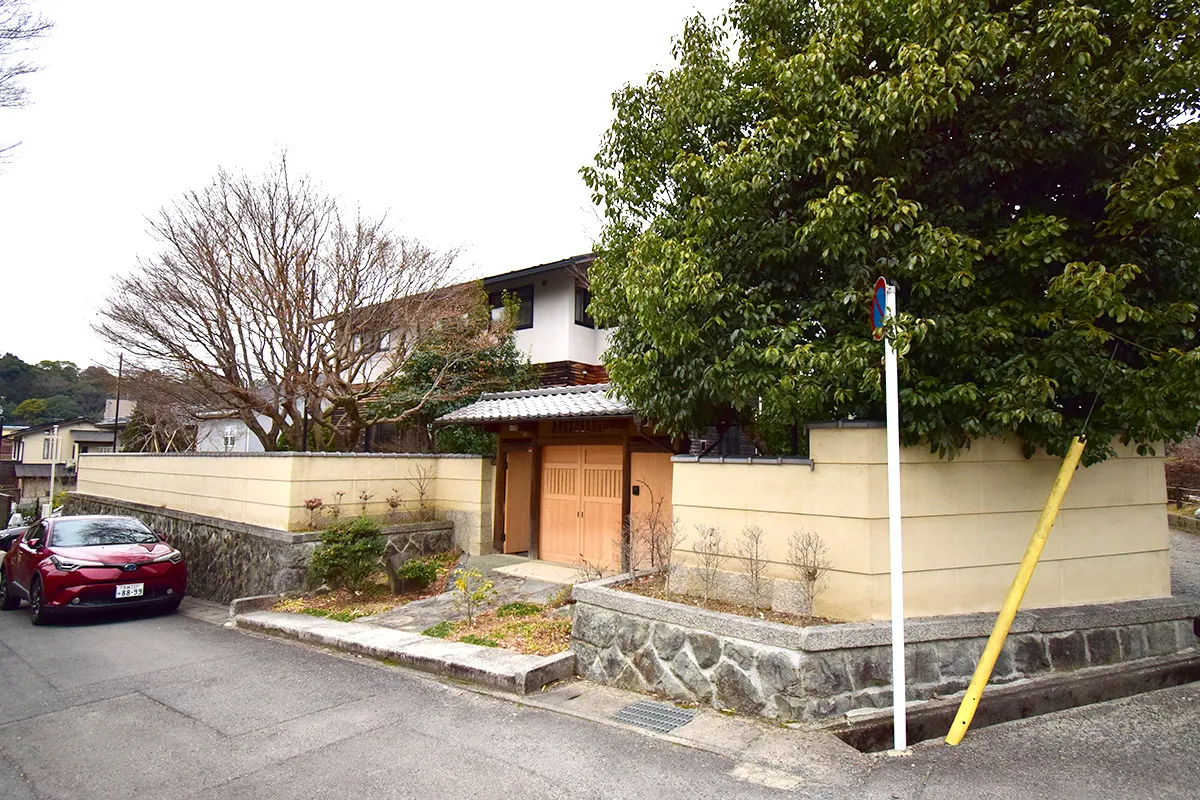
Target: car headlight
column 71, row 564
column 174, row 557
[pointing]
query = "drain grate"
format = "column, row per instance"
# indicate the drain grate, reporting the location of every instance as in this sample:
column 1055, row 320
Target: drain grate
column 658, row 717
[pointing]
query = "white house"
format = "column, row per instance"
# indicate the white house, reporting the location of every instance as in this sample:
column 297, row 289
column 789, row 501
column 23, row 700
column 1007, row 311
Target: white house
column 224, row 432
column 553, row 325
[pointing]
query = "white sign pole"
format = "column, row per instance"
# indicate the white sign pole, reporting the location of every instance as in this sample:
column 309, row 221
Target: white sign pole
column 53, row 461
column 899, row 718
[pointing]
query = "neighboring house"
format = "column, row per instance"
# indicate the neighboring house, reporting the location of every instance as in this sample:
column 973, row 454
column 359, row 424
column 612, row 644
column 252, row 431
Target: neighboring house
column 224, row 432
column 554, row 327
column 6, row 441
column 111, row 419
column 34, row 450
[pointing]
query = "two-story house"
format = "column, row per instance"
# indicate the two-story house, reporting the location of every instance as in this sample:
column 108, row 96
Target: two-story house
column 35, row 448
column 554, row 327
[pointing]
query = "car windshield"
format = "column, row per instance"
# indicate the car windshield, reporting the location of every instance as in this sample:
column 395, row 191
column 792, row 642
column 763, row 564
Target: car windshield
column 90, row 532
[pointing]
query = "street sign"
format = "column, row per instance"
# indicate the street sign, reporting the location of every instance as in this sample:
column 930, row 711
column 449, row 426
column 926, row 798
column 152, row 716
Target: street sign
column 879, row 309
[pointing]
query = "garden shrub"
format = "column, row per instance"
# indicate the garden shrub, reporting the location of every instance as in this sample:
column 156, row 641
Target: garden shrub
column 424, row 570
column 518, row 609
column 350, row 552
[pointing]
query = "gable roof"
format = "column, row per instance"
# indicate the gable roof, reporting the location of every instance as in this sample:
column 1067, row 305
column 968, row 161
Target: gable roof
column 32, row 429
column 580, row 262
column 559, row 402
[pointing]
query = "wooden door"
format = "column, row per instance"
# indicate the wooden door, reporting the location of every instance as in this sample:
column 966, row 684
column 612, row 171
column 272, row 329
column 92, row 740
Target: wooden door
column 518, row 483
column 559, row 532
column 600, row 504
column 582, row 487
column 651, row 478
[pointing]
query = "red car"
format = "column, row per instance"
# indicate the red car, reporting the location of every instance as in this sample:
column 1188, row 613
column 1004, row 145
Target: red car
column 94, row 563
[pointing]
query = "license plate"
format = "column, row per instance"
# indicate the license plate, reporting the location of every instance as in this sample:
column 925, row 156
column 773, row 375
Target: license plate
column 130, row 590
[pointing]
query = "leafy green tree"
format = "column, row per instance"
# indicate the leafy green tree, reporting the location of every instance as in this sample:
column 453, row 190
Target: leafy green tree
column 1025, row 172
column 31, row 411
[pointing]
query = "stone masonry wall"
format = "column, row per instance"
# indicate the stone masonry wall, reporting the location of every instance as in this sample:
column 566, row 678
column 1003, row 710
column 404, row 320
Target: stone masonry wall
column 789, row 673
column 227, row 559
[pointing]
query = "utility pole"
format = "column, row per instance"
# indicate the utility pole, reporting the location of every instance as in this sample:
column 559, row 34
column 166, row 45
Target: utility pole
column 53, row 464
column 117, row 409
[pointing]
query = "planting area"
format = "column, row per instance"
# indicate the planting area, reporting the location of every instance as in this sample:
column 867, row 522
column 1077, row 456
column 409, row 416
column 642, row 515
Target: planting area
column 374, row 595
column 655, row 586
column 531, row 628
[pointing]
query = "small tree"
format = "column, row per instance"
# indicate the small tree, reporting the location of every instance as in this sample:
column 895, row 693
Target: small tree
column 809, row 559
column 709, row 553
column 473, row 592
column 313, row 506
column 364, row 499
column 349, row 554
column 753, row 553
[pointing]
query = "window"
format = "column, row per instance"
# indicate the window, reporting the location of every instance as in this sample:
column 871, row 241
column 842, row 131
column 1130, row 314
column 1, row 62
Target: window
column 524, row 295
column 48, row 448
column 229, row 439
column 583, row 298
column 370, row 342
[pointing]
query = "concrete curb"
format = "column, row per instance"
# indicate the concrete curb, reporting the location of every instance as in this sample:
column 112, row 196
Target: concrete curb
column 488, row 666
column 246, row 605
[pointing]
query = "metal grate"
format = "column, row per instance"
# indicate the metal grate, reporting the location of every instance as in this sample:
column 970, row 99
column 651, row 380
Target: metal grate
column 659, row 717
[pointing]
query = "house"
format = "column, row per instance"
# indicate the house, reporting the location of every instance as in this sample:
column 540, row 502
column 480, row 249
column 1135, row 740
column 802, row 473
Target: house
column 224, row 432
column 35, row 448
column 112, row 419
column 554, row 327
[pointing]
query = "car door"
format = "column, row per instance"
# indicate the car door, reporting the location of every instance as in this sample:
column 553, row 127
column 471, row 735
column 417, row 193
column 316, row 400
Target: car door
column 28, row 553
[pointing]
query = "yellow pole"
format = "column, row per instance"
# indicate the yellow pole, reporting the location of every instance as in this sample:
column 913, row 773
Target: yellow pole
column 987, row 662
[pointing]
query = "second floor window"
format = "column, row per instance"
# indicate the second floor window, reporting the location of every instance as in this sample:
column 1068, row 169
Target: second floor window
column 583, row 298
column 47, row 448
column 524, row 295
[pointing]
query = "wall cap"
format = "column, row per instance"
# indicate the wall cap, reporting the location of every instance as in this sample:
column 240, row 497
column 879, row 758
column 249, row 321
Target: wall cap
column 690, row 459
column 287, row 454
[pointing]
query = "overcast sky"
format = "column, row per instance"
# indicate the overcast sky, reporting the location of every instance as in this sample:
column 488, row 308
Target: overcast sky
column 465, row 122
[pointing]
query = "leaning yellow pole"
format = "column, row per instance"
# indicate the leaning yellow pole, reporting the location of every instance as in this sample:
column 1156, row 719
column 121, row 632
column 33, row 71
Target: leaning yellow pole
column 987, row 662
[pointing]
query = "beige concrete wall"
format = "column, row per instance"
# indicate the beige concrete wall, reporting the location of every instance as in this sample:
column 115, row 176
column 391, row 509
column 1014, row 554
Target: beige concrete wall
column 966, row 523
column 270, row 489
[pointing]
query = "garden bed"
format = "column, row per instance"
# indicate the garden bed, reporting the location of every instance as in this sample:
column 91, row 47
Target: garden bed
column 529, row 628
column 655, row 586
column 375, row 597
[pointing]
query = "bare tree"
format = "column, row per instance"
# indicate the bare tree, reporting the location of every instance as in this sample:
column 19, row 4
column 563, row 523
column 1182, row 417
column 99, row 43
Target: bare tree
column 422, row 479
column 289, row 313
column 753, row 553
column 19, row 29
column 809, row 559
column 709, row 552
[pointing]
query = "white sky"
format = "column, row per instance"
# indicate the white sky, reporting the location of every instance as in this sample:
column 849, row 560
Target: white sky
column 465, row 122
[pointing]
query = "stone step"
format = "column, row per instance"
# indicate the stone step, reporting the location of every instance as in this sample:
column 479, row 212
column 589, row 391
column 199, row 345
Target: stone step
column 487, row 666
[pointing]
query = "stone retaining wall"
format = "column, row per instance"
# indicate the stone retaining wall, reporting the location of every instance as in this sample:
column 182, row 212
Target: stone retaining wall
column 790, row 673
column 1183, row 522
column 231, row 559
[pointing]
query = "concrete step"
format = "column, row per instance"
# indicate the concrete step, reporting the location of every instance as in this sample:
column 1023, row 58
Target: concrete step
column 487, row 666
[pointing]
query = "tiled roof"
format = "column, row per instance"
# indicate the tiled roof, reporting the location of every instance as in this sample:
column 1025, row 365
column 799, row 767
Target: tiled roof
column 560, row 402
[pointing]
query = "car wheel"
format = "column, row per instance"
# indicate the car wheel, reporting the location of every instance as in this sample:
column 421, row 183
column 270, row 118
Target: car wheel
column 37, row 604
column 9, row 600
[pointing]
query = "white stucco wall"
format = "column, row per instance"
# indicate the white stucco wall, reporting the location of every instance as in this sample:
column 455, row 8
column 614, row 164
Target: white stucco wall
column 554, row 335
column 210, row 435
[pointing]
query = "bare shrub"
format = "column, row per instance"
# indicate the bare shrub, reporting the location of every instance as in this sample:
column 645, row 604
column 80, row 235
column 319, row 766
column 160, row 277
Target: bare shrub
column 587, row 571
column 313, row 505
column 708, row 551
column 809, row 558
column 422, row 480
column 335, row 510
column 394, row 501
column 752, row 551
column 364, row 499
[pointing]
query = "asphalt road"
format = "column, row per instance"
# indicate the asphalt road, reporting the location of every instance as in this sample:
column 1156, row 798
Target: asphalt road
column 175, row 707
column 1185, row 563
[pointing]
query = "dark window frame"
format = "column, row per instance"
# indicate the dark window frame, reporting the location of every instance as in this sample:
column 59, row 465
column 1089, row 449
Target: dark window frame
column 525, row 310
column 583, row 317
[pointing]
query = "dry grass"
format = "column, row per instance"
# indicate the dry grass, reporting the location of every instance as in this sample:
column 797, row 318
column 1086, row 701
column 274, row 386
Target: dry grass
column 540, row 633
column 656, row 586
column 346, row 605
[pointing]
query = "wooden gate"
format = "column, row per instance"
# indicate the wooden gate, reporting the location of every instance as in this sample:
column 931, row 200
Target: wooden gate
column 517, row 485
column 582, row 489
